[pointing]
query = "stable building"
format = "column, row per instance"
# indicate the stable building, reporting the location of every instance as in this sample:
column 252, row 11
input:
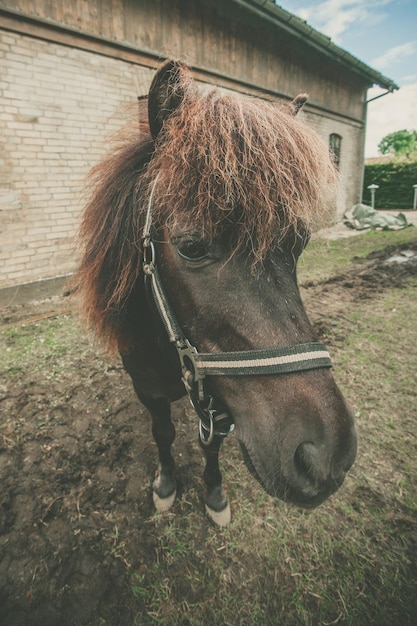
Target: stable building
column 68, row 69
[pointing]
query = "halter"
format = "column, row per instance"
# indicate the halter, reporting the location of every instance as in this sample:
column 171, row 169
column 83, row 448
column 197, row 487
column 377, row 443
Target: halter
column 196, row 366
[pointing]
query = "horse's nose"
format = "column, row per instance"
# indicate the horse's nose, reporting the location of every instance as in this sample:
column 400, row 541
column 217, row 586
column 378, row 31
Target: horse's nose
column 317, row 470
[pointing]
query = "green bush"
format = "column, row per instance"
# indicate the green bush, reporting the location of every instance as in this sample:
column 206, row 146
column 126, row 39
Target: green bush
column 395, row 180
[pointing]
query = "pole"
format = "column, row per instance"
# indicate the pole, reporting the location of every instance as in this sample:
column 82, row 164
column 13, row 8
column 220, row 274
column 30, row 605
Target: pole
column 373, row 188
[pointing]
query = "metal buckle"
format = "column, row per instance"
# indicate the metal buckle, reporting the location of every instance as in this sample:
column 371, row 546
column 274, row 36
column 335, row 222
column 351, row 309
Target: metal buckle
column 187, row 355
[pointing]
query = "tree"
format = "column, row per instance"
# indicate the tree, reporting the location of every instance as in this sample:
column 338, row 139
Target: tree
column 402, row 142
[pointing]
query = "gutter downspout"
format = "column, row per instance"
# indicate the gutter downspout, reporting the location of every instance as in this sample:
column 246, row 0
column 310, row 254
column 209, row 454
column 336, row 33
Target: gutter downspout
column 381, row 95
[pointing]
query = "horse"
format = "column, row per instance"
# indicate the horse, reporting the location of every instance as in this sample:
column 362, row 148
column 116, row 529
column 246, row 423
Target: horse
column 189, row 245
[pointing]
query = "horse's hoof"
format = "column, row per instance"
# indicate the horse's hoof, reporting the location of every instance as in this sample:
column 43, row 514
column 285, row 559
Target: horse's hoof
column 220, row 518
column 163, row 504
column 164, row 490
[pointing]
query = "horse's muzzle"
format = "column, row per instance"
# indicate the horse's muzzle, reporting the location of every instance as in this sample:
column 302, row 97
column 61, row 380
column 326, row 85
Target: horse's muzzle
column 307, row 477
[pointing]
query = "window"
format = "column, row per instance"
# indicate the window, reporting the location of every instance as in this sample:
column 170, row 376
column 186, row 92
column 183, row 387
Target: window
column 335, row 143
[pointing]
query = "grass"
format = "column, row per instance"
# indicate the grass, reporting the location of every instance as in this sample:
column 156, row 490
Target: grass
column 50, row 340
column 325, row 258
column 352, row 561
column 299, row 569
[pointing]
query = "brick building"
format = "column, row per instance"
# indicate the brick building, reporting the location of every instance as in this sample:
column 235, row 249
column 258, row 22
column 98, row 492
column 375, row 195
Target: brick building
column 68, row 68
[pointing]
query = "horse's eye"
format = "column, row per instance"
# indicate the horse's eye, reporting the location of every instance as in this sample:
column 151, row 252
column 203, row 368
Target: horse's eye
column 193, row 250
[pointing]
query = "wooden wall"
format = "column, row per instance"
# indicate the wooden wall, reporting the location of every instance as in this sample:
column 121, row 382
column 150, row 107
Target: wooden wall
column 216, row 37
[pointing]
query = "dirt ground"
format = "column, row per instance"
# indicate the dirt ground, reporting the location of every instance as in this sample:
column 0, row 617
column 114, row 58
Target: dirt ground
column 76, row 467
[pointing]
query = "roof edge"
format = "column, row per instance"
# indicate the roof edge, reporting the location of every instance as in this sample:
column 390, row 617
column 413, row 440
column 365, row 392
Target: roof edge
column 279, row 17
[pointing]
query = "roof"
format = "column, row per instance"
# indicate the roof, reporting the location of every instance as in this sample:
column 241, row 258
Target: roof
column 283, row 20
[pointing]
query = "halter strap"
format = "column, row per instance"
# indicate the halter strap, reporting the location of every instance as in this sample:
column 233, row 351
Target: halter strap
column 284, row 360
column 196, row 365
column 281, row 360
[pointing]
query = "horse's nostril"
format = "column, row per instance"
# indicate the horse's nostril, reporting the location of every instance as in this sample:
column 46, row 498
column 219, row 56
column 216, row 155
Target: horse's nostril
column 313, row 468
column 306, row 460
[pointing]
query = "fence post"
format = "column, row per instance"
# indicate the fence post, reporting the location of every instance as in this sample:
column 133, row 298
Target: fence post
column 415, row 198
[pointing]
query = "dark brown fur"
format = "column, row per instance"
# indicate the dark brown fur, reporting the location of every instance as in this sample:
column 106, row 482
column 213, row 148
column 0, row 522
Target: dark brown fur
column 220, row 160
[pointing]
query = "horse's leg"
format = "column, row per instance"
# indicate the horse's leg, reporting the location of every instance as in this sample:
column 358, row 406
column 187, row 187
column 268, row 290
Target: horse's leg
column 217, row 504
column 164, row 486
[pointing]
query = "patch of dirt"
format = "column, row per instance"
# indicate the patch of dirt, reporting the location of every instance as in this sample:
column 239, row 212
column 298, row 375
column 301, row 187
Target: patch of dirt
column 76, row 463
column 368, row 278
column 36, row 310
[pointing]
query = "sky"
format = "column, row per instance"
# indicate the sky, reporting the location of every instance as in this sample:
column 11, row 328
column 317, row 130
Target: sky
column 382, row 34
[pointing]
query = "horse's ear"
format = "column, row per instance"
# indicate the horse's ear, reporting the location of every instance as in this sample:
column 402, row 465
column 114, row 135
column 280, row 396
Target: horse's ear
column 297, row 104
column 166, row 93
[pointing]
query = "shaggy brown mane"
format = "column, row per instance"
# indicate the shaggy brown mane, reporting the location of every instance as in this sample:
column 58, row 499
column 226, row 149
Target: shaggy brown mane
column 219, row 159
column 110, row 232
column 241, row 160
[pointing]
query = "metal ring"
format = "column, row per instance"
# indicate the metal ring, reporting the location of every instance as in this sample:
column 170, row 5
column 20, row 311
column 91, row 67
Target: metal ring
column 206, row 440
column 148, row 252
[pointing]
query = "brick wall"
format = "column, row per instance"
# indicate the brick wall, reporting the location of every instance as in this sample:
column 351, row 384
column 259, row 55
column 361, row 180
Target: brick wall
column 57, row 106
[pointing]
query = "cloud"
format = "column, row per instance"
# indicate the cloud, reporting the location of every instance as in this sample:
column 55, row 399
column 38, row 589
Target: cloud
column 334, row 17
column 409, row 78
column 388, row 114
column 395, row 54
